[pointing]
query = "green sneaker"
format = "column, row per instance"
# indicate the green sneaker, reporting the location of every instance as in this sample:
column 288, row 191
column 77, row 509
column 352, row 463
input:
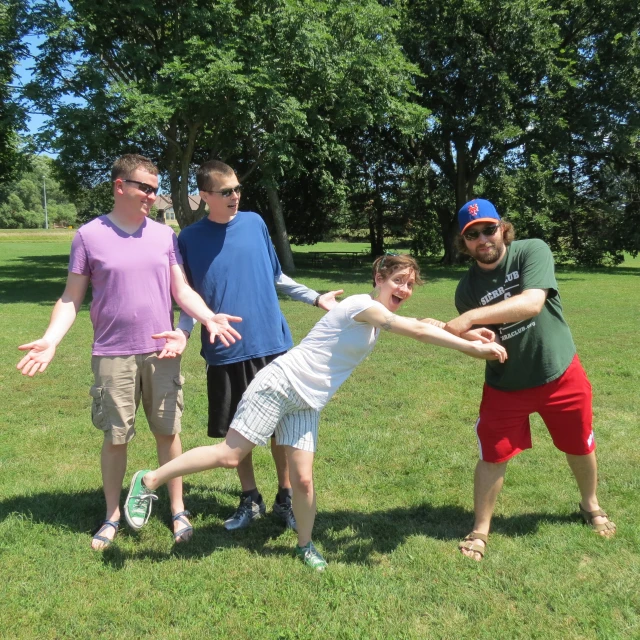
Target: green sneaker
column 137, row 507
column 311, row 556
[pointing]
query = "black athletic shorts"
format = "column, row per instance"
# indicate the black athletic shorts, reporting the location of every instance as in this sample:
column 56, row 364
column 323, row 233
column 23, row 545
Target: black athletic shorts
column 225, row 385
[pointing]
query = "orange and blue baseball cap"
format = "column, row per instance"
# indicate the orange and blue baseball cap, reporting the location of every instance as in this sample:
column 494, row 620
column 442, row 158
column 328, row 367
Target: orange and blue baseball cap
column 477, row 210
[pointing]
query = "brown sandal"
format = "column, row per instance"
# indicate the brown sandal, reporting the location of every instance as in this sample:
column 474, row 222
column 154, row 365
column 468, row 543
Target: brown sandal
column 588, row 517
column 469, row 545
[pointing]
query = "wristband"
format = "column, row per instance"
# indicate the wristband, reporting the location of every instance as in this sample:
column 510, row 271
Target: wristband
column 315, row 302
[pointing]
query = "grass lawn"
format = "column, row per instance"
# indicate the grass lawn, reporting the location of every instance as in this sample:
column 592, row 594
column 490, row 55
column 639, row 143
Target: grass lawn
column 394, row 478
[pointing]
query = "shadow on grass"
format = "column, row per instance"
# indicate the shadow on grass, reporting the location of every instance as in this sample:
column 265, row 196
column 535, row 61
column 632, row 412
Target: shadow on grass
column 82, row 511
column 607, row 271
column 346, row 536
column 38, row 279
column 343, row 273
column 356, row 537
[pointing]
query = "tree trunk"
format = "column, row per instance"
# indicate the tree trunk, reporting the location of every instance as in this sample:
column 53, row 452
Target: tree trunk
column 376, row 239
column 575, row 238
column 464, row 184
column 448, row 231
column 179, row 162
column 375, row 222
column 180, row 197
column 280, row 237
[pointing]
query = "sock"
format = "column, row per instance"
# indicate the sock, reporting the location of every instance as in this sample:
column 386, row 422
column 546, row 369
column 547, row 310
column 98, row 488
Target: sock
column 283, row 495
column 255, row 495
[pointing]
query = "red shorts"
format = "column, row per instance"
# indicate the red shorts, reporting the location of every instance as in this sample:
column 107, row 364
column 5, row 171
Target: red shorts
column 564, row 404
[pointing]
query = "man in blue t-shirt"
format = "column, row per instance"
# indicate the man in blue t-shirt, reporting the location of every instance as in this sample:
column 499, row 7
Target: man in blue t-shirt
column 230, row 261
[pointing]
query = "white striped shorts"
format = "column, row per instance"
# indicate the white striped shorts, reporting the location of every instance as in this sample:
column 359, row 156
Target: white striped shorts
column 271, row 405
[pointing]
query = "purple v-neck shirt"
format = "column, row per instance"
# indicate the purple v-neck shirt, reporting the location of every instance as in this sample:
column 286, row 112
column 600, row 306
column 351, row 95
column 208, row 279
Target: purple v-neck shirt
column 130, row 281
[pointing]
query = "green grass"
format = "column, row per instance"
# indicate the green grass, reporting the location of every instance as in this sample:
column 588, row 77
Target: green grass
column 394, row 480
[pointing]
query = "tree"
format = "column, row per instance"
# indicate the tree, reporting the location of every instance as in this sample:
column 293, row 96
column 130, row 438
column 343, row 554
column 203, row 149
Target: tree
column 588, row 215
column 354, row 91
column 12, row 110
column 574, row 187
column 500, row 77
column 94, row 201
column 21, row 201
column 376, row 180
column 254, row 82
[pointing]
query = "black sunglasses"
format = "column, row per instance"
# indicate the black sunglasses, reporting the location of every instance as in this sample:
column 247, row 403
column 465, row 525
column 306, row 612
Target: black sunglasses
column 487, row 232
column 143, row 186
column 226, row 193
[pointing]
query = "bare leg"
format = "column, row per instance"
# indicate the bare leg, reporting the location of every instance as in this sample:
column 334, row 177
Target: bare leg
column 488, row 481
column 246, row 474
column 113, row 461
column 226, row 454
column 169, row 447
column 304, row 495
column 279, row 454
column 585, row 471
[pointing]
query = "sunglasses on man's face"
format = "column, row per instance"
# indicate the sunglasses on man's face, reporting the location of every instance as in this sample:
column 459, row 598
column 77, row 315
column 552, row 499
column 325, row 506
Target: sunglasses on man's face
column 144, row 187
column 487, row 232
column 226, row 193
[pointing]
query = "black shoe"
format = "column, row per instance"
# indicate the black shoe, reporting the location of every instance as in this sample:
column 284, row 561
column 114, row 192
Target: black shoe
column 245, row 514
column 285, row 513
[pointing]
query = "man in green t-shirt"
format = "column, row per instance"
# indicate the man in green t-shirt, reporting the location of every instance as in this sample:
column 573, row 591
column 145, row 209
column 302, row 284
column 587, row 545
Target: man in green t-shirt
column 512, row 288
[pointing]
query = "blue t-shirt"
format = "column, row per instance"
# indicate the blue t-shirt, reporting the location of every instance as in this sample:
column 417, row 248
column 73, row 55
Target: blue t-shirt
column 233, row 267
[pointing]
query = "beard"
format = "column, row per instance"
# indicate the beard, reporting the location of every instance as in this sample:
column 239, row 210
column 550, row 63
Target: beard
column 492, row 254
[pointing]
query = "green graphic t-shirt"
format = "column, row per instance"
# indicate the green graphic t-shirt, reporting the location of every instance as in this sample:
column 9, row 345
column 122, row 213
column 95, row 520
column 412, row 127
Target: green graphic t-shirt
column 540, row 348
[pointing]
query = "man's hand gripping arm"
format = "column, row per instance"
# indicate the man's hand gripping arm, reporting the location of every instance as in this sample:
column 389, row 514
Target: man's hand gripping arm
column 520, row 307
column 430, row 333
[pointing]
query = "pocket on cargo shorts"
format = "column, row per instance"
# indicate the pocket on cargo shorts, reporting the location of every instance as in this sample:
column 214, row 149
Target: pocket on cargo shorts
column 97, row 407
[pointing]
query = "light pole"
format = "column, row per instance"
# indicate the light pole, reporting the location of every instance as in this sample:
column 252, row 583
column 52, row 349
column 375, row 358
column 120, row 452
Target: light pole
column 44, row 192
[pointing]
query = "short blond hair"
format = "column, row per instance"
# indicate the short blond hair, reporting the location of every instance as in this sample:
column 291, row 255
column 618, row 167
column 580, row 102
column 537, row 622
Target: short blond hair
column 125, row 165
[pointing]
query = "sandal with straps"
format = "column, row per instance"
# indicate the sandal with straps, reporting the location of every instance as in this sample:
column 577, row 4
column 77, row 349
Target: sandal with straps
column 106, row 541
column 468, row 545
column 178, row 536
column 589, row 516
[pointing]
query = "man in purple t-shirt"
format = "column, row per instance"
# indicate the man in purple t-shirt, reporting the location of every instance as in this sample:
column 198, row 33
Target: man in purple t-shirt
column 134, row 267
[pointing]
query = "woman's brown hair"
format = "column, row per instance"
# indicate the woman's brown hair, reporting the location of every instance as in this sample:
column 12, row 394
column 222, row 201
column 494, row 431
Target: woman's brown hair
column 385, row 266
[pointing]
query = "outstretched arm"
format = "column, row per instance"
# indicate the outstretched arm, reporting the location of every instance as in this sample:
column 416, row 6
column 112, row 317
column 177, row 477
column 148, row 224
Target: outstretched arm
column 523, row 306
column 193, row 304
column 426, row 332
column 302, row 293
column 64, row 313
column 482, row 333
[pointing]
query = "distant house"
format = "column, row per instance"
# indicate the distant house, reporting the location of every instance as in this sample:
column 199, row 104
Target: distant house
column 164, row 205
column 165, row 208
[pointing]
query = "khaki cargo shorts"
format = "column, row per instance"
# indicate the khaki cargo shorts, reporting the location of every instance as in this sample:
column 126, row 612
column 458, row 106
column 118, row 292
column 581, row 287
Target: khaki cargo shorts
column 120, row 383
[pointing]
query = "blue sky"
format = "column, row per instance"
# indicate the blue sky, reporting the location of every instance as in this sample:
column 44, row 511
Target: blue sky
column 24, row 75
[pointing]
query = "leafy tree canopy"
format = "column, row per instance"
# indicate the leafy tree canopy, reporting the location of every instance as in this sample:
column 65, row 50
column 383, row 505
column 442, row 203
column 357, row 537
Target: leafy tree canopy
column 22, row 200
column 12, row 110
column 262, row 85
column 508, row 80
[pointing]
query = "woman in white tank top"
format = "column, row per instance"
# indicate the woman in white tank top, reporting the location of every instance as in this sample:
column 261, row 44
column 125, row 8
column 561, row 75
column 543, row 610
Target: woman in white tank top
column 286, row 396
